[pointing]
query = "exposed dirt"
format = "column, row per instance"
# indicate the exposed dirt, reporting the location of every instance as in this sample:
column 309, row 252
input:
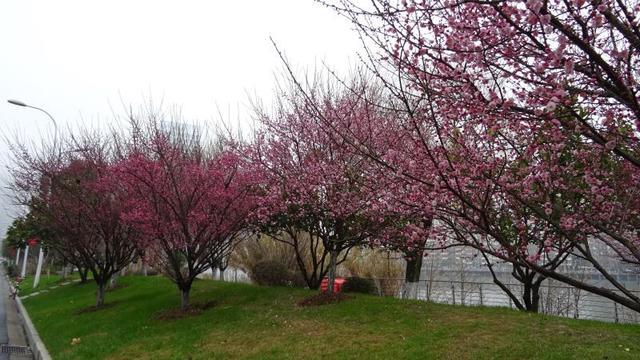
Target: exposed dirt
column 323, row 299
column 193, row 310
column 116, row 287
column 94, row 308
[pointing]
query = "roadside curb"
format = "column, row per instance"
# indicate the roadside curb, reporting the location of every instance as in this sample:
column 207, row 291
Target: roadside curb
column 38, row 349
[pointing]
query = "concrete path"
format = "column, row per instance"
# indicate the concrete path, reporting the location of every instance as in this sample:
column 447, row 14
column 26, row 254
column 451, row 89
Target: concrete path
column 11, row 330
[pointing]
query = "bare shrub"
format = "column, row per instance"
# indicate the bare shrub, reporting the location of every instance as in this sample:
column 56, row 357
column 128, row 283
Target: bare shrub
column 260, row 249
column 384, row 267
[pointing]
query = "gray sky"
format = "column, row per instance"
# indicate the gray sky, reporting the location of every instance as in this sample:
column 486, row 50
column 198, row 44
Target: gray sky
column 80, row 59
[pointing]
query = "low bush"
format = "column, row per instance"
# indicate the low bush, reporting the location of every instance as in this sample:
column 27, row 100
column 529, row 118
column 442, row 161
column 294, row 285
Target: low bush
column 264, row 249
column 270, row 273
column 374, row 264
column 296, row 279
column 275, row 273
column 12, row 270
column 359, row 285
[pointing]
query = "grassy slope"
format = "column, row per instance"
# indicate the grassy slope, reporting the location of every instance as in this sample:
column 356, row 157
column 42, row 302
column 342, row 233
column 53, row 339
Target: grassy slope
column 46, row 281
column 261, row 322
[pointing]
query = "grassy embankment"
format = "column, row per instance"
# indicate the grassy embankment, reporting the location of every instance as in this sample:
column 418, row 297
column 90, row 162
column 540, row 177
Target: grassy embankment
column 265, row 323
column 46, row 282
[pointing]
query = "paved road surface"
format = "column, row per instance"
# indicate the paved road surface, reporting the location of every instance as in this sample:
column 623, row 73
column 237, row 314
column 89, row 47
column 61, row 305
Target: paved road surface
column 11, row 330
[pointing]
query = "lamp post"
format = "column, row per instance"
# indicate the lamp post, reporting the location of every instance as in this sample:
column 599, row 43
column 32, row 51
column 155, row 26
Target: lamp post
column 55, row 123
column 20, row 103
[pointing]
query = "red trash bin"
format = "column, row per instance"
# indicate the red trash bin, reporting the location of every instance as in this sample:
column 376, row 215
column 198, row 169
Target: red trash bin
column 337, row 284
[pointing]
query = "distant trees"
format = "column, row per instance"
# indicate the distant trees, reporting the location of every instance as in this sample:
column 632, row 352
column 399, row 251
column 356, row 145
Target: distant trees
column 21, row 229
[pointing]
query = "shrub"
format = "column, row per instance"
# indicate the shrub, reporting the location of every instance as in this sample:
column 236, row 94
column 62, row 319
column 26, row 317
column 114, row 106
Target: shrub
column 12, row 270
column 252, row 251
column 359, row 285
column 275, row 273
column 385, row 268
column 271, row 273
column 296, row 279
column 374, row 264
column 264, row 248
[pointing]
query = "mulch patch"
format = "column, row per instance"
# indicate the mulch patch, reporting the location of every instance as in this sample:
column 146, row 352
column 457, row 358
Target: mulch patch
column 324, row 299
column 193, row 310
column 94, row 308
column 116, row 287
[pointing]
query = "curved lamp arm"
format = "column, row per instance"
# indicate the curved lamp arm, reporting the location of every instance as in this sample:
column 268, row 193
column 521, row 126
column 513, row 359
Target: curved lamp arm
column 20, row 103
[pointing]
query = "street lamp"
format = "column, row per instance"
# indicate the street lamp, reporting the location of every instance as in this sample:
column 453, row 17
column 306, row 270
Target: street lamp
column 16, row 102
column 20, row 103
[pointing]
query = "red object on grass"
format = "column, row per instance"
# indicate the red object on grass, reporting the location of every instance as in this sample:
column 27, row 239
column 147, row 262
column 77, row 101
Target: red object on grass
column 337, row 284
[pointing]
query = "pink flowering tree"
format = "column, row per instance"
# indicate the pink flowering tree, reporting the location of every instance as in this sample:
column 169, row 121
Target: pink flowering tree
column 73, row 195
column 189, row 202
column 526, row 114
column 315, row 185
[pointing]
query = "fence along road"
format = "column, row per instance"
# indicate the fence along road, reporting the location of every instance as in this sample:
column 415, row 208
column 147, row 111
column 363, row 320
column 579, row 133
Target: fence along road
column 555, row 299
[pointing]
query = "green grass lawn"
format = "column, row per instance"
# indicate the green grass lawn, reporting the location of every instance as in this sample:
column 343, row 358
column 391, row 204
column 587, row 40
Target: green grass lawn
column 46, row 281
column 265, row 323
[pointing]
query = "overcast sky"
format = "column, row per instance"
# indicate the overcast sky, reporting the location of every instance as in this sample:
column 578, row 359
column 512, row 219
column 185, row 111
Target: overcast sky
column 80, row 60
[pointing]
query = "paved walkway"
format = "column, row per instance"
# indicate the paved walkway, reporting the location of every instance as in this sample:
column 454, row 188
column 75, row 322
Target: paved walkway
column 11, row 330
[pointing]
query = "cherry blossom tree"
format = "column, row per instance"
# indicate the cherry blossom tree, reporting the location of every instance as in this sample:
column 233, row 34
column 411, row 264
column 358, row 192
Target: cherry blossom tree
column 412, row 241
column 526, row 115
column 73, row 195
column 315, row 185
column 188, row 200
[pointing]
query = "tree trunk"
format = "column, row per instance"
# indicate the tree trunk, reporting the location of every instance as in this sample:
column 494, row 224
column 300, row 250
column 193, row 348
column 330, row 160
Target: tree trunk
column 100, row 295
column 83, row 275
column 535, row 297
column 184, row 305
column 221, row 274
column 412, row 276
column 526, row 295
column 332, row 270
column 531, row 295
column 64, row 271
column 114, row 281
column 144, row 269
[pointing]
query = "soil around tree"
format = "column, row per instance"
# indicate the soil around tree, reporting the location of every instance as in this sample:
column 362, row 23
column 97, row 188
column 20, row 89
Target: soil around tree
column 95, row 308
column 324, row 298
column 116, row 287
column 193, row 310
